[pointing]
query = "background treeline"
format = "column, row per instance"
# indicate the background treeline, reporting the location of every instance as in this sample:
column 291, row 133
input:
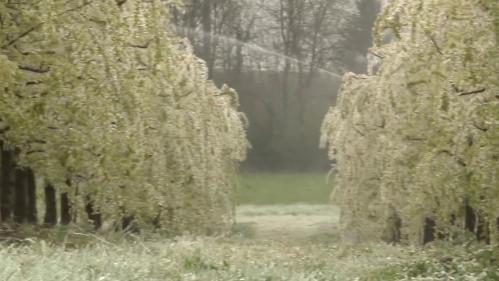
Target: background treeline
column 283, row 57
column 417, row 140
column 103, row 106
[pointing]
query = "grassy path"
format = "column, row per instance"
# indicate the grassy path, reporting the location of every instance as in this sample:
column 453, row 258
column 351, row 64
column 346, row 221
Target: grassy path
column 276, row 238
column 289, row 223
column 270, row 243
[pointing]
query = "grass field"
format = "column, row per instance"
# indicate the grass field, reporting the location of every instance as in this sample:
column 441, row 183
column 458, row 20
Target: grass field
column 189, row 259
column 286, row 231
column 239, row 258
column 284, row 188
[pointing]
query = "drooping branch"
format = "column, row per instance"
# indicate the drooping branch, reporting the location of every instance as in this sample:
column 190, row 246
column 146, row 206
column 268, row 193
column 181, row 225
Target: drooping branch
column 376, row 55
column 4, row 129
column 20, row 36
column 35, row 27
column 140, row 46
column 439, row 50
column 461, row 92
column 120, row 2
column 473, row 92
column 30, row 68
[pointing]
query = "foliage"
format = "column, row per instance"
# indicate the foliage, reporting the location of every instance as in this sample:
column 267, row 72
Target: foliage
column 444, row 262
column 417, row 141
column 115, row 105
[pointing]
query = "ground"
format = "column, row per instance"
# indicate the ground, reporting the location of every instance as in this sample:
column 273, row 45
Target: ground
column 277, row 242
column 269, row 243
column 289, row 222
column 284, row 241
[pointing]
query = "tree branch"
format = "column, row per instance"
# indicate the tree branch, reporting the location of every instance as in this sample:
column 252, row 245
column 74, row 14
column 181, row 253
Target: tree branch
column 34, row 69
column 120, row 2
column 4, row 129
column 463, row 93
column 358, row 131
column 33, row 28
column 35, row 151
column 22, row 35
column 483, row 129
column 473, row 92
column 376, row 55
column 140, row 46
column 439, row 50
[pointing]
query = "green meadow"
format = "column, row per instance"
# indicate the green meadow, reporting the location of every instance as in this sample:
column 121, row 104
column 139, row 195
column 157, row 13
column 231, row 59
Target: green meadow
column 284, row 188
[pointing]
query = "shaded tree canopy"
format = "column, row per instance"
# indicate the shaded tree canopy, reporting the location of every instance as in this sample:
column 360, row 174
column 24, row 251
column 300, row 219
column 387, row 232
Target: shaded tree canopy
column 102, row 102
column 417, row 140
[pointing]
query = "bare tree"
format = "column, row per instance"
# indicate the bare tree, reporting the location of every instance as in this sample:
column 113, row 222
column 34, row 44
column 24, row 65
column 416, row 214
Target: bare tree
column 290, row 44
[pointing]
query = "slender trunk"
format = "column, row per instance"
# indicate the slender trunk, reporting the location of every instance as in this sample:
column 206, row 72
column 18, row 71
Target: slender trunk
column 429, row 231
column 469, row 219
column 1, row 178
column 19, row 196
column 285, row 90
column 65, row 209
column 207, row 38
column 128, row 225
column 66, row 206
column 392, row 233
column 93, row 215
column 31, row 212
column 482, row 232
column 6, row 185
column 238, row 69
column 74, row 213
column 301, row 97
column 50, row 206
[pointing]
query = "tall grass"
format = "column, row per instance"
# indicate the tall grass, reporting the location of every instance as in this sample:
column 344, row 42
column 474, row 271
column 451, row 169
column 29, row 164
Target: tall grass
column 73, row 254
column 231, row 259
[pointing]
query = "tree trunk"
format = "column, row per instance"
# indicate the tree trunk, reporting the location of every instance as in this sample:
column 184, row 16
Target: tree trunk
column 239, row 61
column 469, row 219
column 127, row 224
column 392, row 233
column 50, row 206
column 285, row 91
column 93, row 215
column 429, row 231
column 482, row 232
column 207, row 38
column 6, row 185
column 19, row 196
column 31, row 212
column 65, row 209
column 1, row 179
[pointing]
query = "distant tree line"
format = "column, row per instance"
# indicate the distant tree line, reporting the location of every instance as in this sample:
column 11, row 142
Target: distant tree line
column 283, row 57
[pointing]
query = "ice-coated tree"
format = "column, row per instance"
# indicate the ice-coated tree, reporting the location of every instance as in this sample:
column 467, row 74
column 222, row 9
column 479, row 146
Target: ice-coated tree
column 113, row 110
column 417, row 140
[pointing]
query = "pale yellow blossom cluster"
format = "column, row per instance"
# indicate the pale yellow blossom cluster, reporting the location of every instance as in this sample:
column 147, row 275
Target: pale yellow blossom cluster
column 101, row 95
column 417, row 140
